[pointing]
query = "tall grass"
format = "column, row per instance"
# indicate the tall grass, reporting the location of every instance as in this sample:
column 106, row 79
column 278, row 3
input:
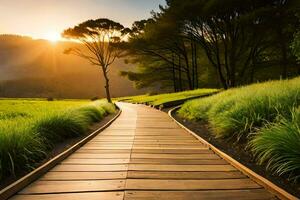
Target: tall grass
column 263, row 114
column 238, row 112
column 278, row 145
column 37, row 126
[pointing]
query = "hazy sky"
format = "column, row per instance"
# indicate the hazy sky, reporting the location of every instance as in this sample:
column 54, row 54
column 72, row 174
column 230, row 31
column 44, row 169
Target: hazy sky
column 39, row 18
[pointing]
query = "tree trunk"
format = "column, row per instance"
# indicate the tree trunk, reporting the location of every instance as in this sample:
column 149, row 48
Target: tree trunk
column 252, row 73
column 193, row 64
column 196, row 65
column 188, row 73
column 223, row 81
column 173, row 72
column 284, row 61
column 107, row 86
column 283, row 50
column 180, row 76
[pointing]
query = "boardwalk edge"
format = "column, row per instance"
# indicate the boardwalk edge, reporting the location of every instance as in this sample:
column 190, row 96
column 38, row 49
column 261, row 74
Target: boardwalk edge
column 274, row 189
column 35, row 174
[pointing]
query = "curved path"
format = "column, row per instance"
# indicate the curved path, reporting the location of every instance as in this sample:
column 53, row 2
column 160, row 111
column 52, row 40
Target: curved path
column 143, row 155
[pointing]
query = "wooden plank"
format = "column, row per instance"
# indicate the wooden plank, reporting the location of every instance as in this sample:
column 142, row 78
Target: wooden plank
column 168, row 142
column 94, row 161
column 99, row 156
column 109, row 145
column 178, row 162
column 176, row 156
column 116, row 131
column 104, row 151
column 122, row 128
column 73, row 196
column 65, row 176
column 138, row 137
column 165, row 120
column 113, row 137
column 187, row 168
column 119, row 134
column 103, row 148
column 169, row 125
column 48, row 187
column 163, row 134
column 150, row 131
column 156, row 122
column 253, row 194
column 115, row 143
column 184, row 175
column 169, row 147
column 226, row 184
column 89, row 168
column 172, row 151
column 112, row 140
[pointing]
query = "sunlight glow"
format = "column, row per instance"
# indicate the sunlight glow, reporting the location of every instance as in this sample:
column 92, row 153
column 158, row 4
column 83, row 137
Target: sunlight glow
column 53, row 36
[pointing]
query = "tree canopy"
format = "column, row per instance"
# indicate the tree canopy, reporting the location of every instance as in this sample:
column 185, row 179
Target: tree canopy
column 103, row 40
column 230, row 39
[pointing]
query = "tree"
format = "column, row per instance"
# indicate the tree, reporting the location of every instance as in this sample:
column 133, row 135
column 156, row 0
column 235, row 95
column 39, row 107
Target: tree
column 103, row 39
column 234, row 35
column 296, row 45
column 157, row 45
column 240, row 39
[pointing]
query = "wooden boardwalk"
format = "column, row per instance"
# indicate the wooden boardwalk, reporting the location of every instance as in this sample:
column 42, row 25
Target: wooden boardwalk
column 143, row 155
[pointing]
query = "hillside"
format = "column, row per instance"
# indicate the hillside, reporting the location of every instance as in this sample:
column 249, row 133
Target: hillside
column 38, row 68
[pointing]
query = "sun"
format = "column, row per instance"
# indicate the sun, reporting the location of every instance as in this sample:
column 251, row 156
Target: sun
column 53, row 36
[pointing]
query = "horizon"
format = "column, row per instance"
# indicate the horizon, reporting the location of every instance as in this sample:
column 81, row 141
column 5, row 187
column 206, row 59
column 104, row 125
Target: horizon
column 47, row 19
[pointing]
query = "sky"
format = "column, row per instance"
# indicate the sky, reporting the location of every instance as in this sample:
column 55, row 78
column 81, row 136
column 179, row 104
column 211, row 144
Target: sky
column 46, row 19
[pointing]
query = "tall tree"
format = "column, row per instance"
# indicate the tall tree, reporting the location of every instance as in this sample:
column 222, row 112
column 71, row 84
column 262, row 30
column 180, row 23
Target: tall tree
column 103, row 40
column 160, row 38
column 233, row 34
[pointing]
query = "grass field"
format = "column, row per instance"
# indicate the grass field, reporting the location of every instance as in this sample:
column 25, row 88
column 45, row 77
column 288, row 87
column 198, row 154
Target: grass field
column 157, row 100
column 30, row 128
column 265, row 115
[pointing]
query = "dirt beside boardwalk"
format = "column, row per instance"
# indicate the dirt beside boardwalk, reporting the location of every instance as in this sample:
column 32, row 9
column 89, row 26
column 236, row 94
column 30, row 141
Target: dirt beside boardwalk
column 239, row 152
column 59, row 148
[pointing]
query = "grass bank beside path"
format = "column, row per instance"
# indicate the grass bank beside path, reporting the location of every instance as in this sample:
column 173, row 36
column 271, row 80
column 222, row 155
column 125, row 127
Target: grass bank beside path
column 162, row 99
column 265, row 116
column 31, row 128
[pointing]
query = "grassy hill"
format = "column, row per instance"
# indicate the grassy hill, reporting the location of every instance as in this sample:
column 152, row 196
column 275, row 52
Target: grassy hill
column 30, row 128
column 265, row 115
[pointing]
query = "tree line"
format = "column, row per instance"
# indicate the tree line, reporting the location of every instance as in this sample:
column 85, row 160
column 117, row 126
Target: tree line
column 187, row 44
column 236, row 38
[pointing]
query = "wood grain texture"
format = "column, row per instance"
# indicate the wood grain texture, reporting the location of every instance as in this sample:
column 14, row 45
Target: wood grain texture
column 149, row 184
column 257, row 194
column 73, row 196
column 48, row 187
column 65, row 176
column 184, row 175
